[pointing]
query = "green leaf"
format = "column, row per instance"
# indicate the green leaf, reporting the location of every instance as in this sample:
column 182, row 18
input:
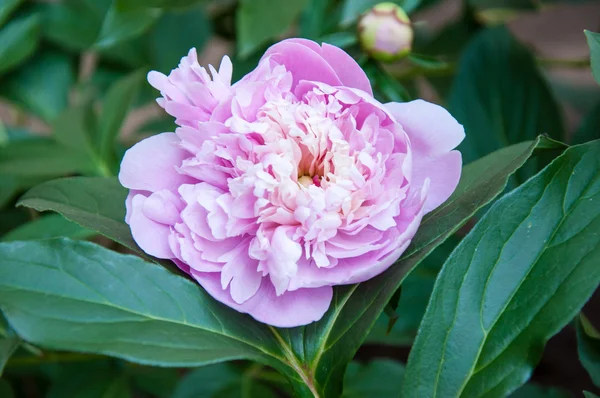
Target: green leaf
column 90, row 380
column 173, row 36
column 205, row 381
column 18, row 41
column 258, row 21
column 588, row 394
column 6, row 390
column 416, row 290
column 516, row 280
column 51, row 226
column 74, row 129
column 8, row 343
column 71, row 24
column 534, row 391
column 78, row 296
column 325, row 347
column 313, row 18
column 593, row 40
column 39, row 157
column 132, row 4
column 589, row 129
column 42, row 85
column 120, row 25
column 588, row 346
column 96, row 203
column 159, row 382
column 381, row 378
column 115, row 106
column 500, row 97
column 6, row 8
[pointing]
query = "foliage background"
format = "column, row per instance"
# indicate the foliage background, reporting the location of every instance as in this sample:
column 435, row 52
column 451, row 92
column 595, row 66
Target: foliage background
column 73, row 98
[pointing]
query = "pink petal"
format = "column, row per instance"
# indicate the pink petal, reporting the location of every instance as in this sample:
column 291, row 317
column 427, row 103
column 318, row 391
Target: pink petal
column 150, row 164
column 349, row 72
column 443, row 173
column 151, row 236
column 433, row 133
column 242, row 277
column 302, row 62
column 432, row 129
column 346, row 68
column 291, row 309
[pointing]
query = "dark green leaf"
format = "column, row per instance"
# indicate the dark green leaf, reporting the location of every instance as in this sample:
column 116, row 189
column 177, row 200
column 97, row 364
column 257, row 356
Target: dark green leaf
column 258, row 21
column 6, row 8
column 51, row 226
column 517, row 279
column 588, row 394
column 38, row 157
column 416, row 290
column 133, row 4
column 6, row 390
column 427, row 62
column 71, row 24
column 500, row 97
column 205, row 381
column 18, row 40
column 588, row 345
column 96, row 203
column 589, row 129
column 42, row 85
column 120, row 25
column 115, row 106
column 593, row 40
column 8, row 343
column 78, row 296
column 173, row 36
column 381, row 378
column 74, row 129
column 89, row 380
column 159, row 382
column 313, row 18
column 328, row 345
column 534, row 391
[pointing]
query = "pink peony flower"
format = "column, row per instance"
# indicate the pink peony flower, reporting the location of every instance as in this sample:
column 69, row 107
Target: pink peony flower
column 288, row 182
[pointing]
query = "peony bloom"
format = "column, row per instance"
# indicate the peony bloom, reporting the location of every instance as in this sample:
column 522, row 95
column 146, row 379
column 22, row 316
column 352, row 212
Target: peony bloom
column 290, row 181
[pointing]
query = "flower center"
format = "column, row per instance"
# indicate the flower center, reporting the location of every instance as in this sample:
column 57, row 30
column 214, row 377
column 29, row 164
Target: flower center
column 306, row 181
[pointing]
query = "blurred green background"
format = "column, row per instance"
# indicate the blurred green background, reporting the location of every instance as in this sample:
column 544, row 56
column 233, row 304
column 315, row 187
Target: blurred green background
column 73, row 98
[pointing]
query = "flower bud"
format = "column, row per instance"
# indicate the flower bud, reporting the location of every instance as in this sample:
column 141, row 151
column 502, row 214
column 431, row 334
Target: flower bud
column 385, row 32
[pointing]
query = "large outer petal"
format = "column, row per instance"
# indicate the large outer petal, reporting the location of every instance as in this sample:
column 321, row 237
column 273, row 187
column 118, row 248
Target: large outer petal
column 291, row 309
column 150, row 165
column 433, row 134
column 346, row 68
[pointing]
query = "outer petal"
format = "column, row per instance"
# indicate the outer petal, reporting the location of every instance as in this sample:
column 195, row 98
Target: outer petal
column 150, row 165
column 443, row 172
column 291, row 309
column 151, row 236
column 433, row 133
column 303, row 62
column 348, row 71
column 432, row 129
